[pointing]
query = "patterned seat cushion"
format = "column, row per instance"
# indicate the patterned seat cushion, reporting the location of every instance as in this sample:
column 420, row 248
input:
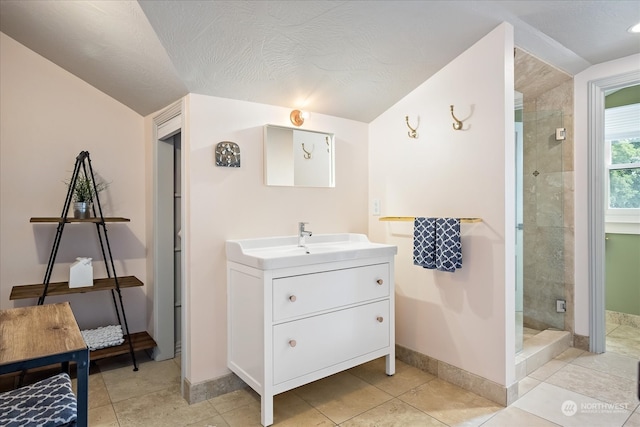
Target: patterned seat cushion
column 47, row 403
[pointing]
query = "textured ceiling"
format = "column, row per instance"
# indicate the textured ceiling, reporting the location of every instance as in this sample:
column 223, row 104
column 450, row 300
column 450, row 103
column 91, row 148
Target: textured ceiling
column 108, row 44
column 351, row 59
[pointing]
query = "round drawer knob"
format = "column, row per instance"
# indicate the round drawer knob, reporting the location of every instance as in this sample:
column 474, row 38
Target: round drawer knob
column 380, row 319
column 292, row 343
column 379, row 281
column 292, row 298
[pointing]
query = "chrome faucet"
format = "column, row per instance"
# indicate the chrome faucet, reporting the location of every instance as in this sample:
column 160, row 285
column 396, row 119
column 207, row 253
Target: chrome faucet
column 302, row 233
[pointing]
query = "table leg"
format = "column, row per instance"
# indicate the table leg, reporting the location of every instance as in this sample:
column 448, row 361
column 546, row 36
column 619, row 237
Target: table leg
column 83, row 388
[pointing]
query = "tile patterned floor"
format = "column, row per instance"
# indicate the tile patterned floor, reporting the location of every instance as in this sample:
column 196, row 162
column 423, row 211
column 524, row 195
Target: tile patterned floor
column 576, row 388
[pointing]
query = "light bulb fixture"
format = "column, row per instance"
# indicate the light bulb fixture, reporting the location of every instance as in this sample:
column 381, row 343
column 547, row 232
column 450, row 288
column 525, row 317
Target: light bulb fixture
column 297, row 117
column 635, row 28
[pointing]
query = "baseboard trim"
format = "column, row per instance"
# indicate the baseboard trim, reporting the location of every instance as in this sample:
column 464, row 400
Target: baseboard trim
column 194, row 393
column 624, row 319
column 474, row 383
column 581, row 342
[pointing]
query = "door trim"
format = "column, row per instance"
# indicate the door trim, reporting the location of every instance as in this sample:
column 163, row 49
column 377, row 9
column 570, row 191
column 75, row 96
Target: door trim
column 165, row 125
column 596, row 100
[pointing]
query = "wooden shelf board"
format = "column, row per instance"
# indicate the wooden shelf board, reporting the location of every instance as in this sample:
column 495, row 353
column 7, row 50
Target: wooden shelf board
column 62, row 288
column 140, row 341
column 70, row 219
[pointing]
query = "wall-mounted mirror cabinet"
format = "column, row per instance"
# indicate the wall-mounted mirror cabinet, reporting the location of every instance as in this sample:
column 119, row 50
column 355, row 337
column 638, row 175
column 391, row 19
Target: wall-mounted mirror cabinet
column 298, row 158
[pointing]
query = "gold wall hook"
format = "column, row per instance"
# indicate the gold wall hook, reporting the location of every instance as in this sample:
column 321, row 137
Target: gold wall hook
column 413, row 133
column 457, row 125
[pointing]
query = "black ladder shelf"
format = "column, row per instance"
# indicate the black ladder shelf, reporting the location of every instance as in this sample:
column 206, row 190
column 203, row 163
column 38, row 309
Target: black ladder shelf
column 83, row 165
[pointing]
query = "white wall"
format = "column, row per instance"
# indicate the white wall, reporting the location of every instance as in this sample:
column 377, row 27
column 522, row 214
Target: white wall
column 233, row 203
column 47, row 116
column 466, row 318
column 581, row 106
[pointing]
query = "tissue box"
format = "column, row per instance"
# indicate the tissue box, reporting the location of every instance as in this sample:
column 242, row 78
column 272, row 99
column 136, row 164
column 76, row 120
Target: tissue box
column 81, row 273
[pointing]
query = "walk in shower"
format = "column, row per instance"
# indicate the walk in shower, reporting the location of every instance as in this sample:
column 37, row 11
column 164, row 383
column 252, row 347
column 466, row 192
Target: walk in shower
column 540, row 285
column 544, row 197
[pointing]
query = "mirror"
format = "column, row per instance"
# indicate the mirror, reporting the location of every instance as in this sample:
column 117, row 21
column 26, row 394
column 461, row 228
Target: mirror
column 298, row 158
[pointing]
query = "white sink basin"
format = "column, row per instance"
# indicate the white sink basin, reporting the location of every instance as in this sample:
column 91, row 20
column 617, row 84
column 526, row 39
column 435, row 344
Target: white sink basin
column 281, row 252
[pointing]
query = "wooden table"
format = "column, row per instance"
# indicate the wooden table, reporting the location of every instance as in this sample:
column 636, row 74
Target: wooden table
column 45, row 335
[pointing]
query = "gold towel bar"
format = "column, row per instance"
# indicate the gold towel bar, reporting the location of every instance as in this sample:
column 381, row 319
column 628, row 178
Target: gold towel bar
column 411, row 218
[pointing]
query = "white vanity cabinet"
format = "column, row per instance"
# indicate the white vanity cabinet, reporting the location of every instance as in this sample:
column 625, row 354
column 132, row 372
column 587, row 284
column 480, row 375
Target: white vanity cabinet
column 293, row 325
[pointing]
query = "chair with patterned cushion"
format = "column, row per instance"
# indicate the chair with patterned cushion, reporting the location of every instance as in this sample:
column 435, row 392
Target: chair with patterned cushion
column 47, row 403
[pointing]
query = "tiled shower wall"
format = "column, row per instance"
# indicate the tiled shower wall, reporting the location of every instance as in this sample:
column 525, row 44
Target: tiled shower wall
column 548, row 193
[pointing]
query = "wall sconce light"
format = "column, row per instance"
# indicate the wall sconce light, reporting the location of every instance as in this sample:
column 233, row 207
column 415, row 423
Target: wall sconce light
column 297, row 117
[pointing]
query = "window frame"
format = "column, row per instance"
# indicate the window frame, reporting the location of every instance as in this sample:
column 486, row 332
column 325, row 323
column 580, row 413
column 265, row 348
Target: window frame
column 618, row 220
column 622, row 220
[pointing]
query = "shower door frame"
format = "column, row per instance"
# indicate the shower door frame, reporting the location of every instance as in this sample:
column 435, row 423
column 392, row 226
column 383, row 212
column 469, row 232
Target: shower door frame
column 519, row 279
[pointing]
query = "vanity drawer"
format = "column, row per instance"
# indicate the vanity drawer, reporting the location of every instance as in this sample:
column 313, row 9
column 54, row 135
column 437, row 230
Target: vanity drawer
column 310, row 293
column 307, row 345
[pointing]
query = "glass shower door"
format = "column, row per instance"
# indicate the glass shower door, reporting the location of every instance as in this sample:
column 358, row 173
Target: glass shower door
column 543, row 219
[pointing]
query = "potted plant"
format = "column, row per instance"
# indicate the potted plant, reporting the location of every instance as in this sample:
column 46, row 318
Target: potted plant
column 83, row 195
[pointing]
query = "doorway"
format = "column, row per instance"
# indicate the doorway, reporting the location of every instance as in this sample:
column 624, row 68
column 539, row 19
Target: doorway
column 622, row 220
column 168, row 238
column 597, row 91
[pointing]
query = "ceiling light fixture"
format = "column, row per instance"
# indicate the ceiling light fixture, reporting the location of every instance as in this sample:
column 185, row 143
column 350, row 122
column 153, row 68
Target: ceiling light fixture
column 635, row 28
column 297, row 117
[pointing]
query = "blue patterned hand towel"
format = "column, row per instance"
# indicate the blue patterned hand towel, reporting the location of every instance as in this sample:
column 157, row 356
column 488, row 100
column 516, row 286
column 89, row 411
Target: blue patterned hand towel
column 448, row 245
column 436, row 243
column 424, row 242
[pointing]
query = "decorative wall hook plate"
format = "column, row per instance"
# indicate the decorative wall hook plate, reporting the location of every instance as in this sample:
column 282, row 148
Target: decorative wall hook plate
column 228, row 154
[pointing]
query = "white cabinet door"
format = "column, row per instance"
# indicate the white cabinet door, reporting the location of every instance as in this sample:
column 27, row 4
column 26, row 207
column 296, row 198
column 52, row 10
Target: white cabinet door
column 311, row 293
column 307, row 345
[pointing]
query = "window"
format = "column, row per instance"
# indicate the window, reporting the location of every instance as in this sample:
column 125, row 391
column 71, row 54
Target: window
column 622, row 162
